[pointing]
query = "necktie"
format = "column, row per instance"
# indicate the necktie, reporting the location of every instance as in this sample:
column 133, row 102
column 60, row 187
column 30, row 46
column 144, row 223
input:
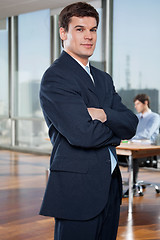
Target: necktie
column 88, row 71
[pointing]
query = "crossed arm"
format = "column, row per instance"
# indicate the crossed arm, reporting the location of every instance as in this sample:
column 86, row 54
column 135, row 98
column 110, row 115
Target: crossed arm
column 65, row 109
column 97, row 114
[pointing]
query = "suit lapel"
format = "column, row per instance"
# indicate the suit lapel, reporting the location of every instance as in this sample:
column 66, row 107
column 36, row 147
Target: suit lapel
column 100, row 88
column 77, row 70
column 83, row 77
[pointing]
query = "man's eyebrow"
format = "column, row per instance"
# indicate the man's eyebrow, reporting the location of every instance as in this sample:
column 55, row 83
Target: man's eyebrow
column 77, row 26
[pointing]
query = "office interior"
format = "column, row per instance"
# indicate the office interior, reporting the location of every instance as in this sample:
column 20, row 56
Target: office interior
column 127, row 48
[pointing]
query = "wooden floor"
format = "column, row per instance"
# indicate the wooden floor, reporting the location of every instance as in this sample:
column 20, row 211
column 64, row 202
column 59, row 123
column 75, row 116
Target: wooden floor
column 22, row 184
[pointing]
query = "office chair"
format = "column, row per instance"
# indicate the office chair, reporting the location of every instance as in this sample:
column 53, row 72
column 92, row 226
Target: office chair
column 140, row 185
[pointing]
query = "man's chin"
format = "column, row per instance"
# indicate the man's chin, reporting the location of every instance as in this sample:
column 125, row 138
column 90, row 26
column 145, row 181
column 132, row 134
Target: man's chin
column 86, row 55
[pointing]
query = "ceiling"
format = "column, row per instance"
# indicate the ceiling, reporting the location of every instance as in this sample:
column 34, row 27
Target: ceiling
column 15, row 7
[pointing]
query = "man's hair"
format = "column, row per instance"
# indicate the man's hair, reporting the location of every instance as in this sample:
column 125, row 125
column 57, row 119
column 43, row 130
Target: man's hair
column 79, row 9
column 142, row 98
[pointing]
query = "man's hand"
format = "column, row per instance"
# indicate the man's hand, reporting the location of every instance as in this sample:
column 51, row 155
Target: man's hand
column 97, row 114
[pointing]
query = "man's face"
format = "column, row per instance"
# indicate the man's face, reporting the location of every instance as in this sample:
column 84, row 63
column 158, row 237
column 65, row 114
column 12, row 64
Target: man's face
column 139, row 106
column 80, row 40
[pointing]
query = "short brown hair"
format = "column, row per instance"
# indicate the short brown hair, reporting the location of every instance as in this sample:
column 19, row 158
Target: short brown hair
column 142, row 98
column 78, row 9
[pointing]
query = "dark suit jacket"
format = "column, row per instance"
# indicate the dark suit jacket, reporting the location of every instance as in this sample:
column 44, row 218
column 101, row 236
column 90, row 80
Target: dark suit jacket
column 80, row 165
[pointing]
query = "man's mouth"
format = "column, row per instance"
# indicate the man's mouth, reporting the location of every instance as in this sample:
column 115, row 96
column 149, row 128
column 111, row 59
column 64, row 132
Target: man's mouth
column 87, row 45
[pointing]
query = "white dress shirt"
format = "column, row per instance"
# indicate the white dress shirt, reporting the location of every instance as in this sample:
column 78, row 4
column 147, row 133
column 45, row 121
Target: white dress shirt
column 148, row 126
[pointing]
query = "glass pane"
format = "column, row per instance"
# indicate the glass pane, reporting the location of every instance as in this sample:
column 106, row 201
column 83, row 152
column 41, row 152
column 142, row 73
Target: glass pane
column 4, row 67
column 5, row 132
column 136, row 52
column 32, row 134
column 33, row 59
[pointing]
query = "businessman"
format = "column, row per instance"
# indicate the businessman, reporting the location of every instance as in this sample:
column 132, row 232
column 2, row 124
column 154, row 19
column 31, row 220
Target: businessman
column 86, row 121
column 147, row 129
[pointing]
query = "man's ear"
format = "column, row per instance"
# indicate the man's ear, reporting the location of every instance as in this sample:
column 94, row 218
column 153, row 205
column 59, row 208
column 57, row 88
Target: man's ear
column 146, row 102
column 63, row 34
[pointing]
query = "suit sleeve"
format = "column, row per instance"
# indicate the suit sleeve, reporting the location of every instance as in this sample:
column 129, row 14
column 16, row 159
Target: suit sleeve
column 64, row 107
column 122, row 121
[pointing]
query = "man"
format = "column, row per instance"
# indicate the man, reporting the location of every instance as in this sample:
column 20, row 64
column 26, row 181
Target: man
column 148, row 126
column 149, row 122
column 86, row 120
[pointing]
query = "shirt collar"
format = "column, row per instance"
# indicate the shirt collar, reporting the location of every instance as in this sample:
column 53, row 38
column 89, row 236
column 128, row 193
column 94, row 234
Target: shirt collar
column 84, row 67
column 145, row 114
column 82, row 63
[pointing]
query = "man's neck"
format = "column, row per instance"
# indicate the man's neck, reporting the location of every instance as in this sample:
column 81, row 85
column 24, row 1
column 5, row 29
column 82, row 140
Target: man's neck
column 146, row 110
column 83, row 61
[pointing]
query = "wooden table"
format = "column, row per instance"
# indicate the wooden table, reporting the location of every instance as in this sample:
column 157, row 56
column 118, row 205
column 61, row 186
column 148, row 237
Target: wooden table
column 135, row 150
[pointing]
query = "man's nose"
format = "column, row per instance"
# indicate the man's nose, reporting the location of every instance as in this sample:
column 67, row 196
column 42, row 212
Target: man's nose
column 88, row 34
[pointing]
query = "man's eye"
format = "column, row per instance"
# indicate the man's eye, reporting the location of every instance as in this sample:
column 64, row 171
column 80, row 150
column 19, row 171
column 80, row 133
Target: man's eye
column 94, row 30
column 79, row 29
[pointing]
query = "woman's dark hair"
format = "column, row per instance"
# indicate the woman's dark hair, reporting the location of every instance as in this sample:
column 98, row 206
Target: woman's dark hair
column 79, row 9
column 142, row 98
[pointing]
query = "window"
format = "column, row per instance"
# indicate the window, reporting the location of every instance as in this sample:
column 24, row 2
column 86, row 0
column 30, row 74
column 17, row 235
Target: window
column 136, row 52
column 4, row 68
column 33, row 56
column 33, row 59
column 5, row 123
